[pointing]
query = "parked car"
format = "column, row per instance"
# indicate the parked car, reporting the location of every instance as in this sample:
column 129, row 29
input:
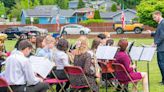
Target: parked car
column 129, row 26
column 11, row 32
column 35, row 29
column 74, row 29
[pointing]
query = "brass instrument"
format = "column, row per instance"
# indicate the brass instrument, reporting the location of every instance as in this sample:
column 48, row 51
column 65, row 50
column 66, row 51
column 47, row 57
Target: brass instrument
column 3, row 37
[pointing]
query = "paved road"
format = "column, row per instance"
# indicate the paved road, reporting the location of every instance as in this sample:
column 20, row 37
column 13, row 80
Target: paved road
column 96, row 33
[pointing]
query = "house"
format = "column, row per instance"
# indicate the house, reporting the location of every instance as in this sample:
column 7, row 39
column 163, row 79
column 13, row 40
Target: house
column 47, row 14
column 116, row 16
column 74, row 4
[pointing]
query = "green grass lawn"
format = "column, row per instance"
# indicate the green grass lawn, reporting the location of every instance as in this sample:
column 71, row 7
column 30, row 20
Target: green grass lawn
column 155, row 76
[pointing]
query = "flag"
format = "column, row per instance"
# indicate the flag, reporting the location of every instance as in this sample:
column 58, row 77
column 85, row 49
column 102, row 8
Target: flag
column 123, row 19
column 57, row 22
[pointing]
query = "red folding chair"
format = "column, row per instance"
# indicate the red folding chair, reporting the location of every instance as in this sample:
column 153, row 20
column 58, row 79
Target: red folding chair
column 125, row 78
column 106, row 67
column 3, row 83
column 73, row 73
column 55, row 80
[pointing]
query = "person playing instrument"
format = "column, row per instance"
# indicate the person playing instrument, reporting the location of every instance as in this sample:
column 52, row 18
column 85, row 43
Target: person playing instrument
column 18, row 71
column 61, row 59
column 83, row 59
column 123, row 58
column 49, row 48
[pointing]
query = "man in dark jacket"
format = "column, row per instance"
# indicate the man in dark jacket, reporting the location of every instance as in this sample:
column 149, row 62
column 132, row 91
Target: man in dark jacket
column 159, row 41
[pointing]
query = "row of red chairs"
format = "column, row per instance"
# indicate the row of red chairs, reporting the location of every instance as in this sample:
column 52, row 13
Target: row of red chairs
column 75, row 71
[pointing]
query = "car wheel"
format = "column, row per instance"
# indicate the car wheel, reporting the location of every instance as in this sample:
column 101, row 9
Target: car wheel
column 119, row 31
column 82, row 32
column 64, row 32
column 137, row 30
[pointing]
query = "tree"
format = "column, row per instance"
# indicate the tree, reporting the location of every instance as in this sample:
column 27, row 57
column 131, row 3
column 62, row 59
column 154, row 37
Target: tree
column 81, row 4
column 97, row 14
column 114, row 8
column 23, row 4
column 145, row 9
column 8, row 3
column 128, row 3
column 63, row 4
column 48, row 2
column 2, row 9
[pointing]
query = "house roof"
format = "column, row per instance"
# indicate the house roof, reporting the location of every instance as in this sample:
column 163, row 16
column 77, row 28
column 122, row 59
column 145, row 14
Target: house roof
column 83, row 10
column 47, row 11
column 113, row 14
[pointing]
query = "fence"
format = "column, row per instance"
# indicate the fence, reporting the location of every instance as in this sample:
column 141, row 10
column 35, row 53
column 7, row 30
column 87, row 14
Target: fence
column 95, row 27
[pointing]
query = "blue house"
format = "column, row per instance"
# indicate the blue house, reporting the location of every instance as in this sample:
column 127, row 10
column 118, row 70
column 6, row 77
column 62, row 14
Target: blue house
column 47, row 15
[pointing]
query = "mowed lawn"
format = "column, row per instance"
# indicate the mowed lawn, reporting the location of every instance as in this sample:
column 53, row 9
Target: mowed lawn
column 155, row 76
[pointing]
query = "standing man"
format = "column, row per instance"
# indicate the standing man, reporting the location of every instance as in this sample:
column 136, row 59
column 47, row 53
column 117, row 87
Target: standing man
column 159, row 41
column 19, row 73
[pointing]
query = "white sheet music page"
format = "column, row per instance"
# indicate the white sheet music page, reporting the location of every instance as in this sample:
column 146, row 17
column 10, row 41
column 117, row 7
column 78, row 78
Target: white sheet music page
column 148, row 53
column 106, row 52
column 135, row 52
column 41, row 65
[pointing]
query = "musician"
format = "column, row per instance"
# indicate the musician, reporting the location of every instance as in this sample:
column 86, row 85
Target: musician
column 102, row 38
column 123, row 58
column 49, row 48
column 19, row 73
column 61, row 59
column 39, row 45
column 84, row 60
column 32, row 39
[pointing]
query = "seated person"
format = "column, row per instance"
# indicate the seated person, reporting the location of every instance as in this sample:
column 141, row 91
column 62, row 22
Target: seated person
column 48, row 49
column 18, row 71
column 123, row 58
column 83, row 59
column 61, row 59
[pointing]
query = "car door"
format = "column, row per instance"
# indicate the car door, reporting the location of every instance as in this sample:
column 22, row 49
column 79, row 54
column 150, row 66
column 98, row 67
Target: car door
column 69, row 29
column 75, row 29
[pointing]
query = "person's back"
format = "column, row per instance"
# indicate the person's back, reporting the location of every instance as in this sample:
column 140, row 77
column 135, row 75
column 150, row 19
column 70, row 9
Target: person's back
column 19, row 73
column 16, row 65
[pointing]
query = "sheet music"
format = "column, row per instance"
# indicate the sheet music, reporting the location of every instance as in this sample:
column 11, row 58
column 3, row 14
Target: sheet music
column 106, row 52
column 41, row 65
column 135, row 52
column 142, row 53
column 148, row 53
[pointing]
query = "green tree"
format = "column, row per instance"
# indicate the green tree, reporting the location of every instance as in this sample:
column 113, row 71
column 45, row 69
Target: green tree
column 48, row 2
column 145, row 9
column 23, row 4
column 2, row 9
column 127, row 3
column 8, row 3
column 114, row 8
column 63, row 4
column 97, row 14
column 81, row 4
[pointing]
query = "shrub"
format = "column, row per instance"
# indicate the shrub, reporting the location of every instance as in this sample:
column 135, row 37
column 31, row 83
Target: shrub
column 92, row 21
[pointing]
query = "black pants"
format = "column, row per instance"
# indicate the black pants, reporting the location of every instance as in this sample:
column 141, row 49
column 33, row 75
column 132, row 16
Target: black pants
column 160, row 59
column 61, row 75
column 40, row 87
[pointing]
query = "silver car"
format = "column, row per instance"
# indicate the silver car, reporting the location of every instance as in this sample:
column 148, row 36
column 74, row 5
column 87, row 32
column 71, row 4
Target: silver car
column 74, row 29
column 34, row 28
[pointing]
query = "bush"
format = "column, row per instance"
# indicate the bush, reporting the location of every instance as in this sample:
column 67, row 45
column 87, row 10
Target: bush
column 92, row 21
column 28, row 21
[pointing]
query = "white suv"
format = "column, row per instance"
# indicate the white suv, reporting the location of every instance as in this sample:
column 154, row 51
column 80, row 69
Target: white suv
column 74, row 29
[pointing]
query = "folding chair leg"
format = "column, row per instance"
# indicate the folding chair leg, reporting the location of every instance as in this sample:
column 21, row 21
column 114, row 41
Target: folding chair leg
column 52, row 90
column 10, row 89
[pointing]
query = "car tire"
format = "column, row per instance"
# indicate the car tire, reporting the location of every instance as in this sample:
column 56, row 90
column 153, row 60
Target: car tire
column 137, row 30
column 119, row 31
column 82, row 32
column 64, row 32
